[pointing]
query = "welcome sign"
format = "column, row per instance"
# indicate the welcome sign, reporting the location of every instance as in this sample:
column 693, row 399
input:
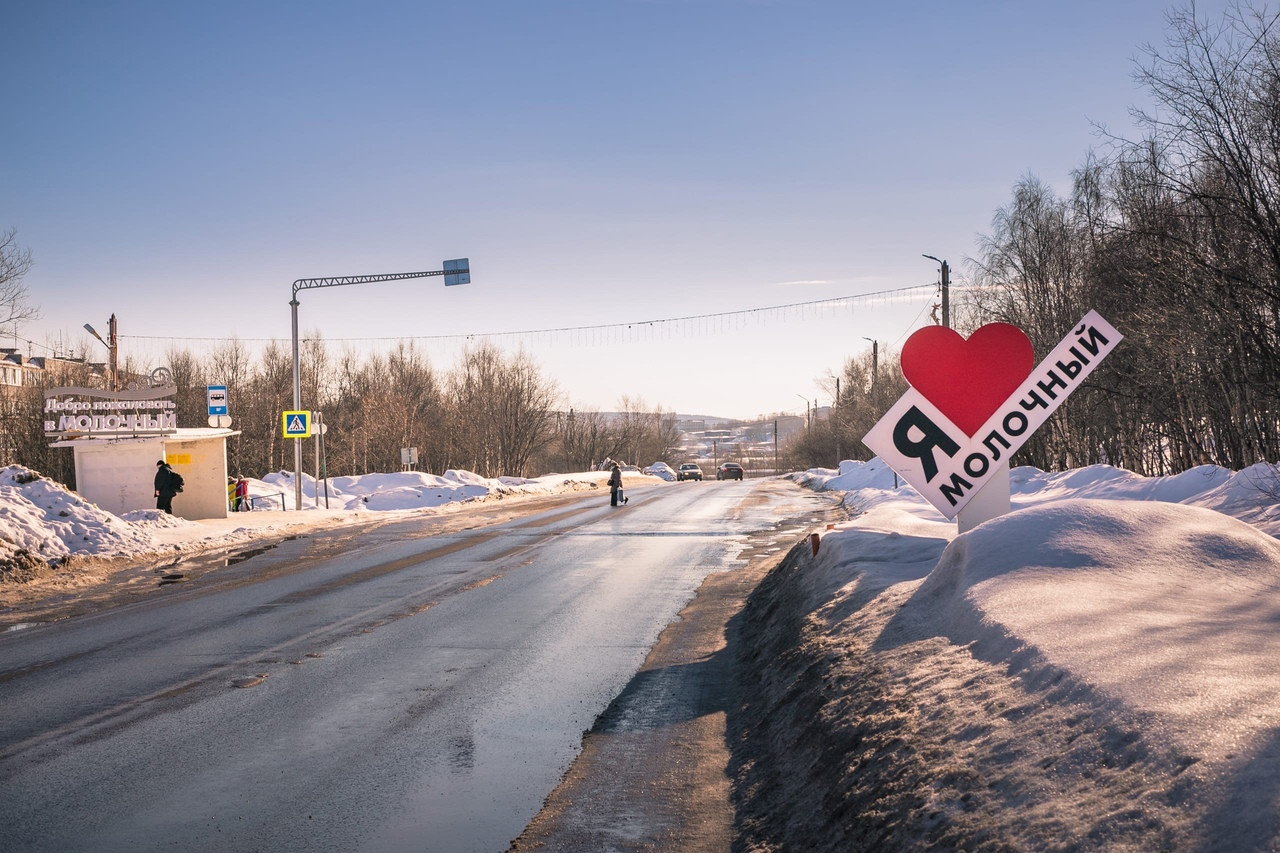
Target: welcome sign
column 110, row 414
column 973, row 403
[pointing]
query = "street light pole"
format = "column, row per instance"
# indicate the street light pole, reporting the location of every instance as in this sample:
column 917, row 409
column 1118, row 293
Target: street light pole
column 113, row 380
column 875, row 364
column 946, row 290
column 454, row 272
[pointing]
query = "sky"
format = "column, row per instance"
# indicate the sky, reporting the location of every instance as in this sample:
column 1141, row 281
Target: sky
column 602, row 164
column 1099, row 663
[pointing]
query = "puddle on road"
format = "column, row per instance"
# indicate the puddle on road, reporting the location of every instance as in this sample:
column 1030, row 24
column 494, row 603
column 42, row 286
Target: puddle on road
column 250, row 553
column 195, row 566
column 22, row 626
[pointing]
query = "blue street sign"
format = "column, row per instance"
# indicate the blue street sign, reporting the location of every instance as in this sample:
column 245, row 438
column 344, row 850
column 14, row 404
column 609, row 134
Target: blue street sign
column 297, row 424
column 462, row 274
column 217, row 399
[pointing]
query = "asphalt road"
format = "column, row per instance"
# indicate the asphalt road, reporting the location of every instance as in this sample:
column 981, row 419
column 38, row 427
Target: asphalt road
column 383, row 692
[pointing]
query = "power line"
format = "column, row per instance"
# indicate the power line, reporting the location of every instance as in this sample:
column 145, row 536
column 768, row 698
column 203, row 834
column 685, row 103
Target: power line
column 712, row 323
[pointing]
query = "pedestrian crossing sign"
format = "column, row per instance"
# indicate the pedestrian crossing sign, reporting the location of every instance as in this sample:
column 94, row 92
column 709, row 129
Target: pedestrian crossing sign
column 297, row 424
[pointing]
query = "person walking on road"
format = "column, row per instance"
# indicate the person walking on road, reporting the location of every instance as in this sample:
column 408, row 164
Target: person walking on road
column 615, row 484
column 166, row 486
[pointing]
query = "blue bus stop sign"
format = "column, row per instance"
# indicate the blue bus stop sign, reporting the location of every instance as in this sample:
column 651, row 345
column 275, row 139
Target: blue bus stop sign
column 217, row 399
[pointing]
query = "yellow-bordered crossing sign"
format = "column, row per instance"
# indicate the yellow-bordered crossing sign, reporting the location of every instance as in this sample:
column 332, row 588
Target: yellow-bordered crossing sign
column 297, row 424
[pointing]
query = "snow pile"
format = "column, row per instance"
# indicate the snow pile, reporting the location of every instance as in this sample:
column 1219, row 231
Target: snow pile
column 40, row 519
column 42, row 523
column 1098, row 669
column 407, row 490
column 398, row 491
column 1251, row 495
column 663, row 470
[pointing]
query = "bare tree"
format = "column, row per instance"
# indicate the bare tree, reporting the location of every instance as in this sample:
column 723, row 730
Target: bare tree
column 501, row 410
column 583, row 440
column 15, row 262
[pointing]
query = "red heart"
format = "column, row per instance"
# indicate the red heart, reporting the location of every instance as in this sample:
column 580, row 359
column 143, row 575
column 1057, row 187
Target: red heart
column 967, row 380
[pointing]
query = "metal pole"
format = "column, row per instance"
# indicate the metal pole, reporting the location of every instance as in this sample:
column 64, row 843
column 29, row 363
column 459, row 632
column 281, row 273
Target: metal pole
column 115, row 363
column 946, row 295
column 835, row 421
column 875, row 366
column 324, row 464
column 297, row 405
column 316, row 424
column 946, row 290
column 457, row 271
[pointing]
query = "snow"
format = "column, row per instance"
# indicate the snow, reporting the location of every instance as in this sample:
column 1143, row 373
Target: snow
column 43, row 525
column 1144, row 609
column 663, row 470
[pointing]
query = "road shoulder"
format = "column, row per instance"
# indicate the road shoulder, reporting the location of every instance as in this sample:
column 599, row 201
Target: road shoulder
column 653, row 773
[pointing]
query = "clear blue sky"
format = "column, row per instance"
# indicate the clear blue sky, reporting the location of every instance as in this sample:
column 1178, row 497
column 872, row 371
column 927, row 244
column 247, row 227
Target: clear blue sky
column 180, row 164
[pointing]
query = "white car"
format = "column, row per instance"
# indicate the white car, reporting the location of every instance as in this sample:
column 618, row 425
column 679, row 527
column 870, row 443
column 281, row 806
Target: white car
column 689, row 471
column 661, row 469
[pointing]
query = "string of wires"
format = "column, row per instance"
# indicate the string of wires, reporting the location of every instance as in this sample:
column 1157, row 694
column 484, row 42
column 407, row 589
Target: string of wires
column 700, row 324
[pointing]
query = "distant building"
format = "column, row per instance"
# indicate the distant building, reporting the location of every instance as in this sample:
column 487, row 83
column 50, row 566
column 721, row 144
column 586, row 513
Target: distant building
column 20, row 371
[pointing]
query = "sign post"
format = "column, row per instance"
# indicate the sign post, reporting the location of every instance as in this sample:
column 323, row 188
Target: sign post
column 457, row 271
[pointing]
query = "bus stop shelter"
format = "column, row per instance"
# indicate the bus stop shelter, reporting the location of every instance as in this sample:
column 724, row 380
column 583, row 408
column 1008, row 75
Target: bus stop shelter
column 118, row 473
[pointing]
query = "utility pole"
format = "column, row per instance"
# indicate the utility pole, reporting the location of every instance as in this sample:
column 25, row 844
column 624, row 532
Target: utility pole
column 875, row 365
column 115, row 353
column 946, row 290
column 113, row 379
column 835, row 421
column 946, row 294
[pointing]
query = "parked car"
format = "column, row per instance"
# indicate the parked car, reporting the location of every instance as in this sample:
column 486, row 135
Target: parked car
column 729, row 471
column 661, row 469
column 689, row 471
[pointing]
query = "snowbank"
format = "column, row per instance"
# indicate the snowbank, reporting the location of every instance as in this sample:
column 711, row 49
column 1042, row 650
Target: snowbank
column 1098, row 669
column 43, row 524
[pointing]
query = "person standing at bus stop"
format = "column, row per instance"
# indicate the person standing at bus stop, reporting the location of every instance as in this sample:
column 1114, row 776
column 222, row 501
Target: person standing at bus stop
column 166, row 486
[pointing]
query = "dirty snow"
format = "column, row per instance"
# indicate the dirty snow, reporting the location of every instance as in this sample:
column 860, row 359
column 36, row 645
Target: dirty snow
column 1098, row 669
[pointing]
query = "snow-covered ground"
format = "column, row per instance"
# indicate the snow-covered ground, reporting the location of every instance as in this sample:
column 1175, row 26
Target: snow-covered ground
column 45, row 526
column 1099, row 669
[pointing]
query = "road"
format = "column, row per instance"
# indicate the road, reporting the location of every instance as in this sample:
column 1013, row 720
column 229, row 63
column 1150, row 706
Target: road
column 383, row 692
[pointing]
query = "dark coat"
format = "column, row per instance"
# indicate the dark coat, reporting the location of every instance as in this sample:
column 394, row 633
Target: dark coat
column 615, row 479
column 164, row 481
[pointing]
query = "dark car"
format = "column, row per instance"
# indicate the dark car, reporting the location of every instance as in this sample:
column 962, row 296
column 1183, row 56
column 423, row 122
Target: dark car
column 729, row 471
column 689, row 471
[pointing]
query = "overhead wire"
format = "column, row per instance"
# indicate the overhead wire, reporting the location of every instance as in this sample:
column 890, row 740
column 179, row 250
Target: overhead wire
column 713, row 323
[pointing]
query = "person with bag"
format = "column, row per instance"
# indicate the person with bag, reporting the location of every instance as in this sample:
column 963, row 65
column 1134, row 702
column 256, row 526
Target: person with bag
column 167, row 484
column 615, row 484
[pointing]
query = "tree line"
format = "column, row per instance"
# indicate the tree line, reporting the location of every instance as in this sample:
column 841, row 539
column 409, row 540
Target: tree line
column 1173, row 237
column 492, row 412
